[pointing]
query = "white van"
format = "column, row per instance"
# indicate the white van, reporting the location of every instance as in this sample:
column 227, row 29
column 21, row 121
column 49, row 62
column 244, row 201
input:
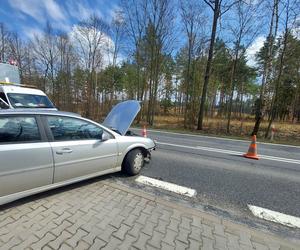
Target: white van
column 14, row 95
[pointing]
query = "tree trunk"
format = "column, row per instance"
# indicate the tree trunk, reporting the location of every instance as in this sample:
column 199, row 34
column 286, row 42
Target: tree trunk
column 208, row 64
column 232, row 80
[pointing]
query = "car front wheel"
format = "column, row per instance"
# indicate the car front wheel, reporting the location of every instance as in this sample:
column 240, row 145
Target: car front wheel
column 133, row 162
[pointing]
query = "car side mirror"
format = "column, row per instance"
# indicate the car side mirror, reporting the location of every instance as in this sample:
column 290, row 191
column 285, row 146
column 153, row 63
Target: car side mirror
column 105, row 137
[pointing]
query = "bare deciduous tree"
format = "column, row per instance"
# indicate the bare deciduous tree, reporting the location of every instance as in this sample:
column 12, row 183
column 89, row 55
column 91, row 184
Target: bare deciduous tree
column 158, row 39
column 289, row 20
column 117, row 27
column 91, row 36
column 267, row 68
column 46, row 54
column 244, row 32
column 193, row 22
column 135, row 16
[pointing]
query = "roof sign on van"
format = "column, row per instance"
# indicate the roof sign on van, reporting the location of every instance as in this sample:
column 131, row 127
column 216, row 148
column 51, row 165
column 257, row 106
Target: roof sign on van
column 9, row 74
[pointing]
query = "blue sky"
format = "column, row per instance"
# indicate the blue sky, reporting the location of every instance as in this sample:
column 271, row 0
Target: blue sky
column 28, row 17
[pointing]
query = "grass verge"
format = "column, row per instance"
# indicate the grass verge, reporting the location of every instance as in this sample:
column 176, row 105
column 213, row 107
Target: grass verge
column 285, row 133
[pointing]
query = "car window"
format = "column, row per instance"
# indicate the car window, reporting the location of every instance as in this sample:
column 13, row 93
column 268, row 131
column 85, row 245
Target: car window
column 66, row 128
column 18, row 129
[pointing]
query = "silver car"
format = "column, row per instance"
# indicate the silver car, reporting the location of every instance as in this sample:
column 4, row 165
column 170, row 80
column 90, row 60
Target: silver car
column 41, row 150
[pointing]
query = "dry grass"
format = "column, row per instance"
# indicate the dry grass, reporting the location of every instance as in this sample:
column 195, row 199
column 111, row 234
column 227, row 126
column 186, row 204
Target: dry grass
column 287, row 133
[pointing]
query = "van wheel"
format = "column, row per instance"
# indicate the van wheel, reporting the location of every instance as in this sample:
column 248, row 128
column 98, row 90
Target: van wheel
column 133, row 162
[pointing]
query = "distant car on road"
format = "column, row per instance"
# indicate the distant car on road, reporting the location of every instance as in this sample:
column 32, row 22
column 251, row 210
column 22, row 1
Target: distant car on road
column 43, row 149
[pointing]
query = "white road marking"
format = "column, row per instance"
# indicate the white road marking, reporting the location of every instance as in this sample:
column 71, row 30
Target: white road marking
column 266, row 214
column 218, row 138
column 229, row 152
column 166, row 186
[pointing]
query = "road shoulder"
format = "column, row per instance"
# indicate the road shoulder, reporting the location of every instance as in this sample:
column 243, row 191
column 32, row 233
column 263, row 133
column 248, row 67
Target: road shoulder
column 268, row 239
column 106, row 214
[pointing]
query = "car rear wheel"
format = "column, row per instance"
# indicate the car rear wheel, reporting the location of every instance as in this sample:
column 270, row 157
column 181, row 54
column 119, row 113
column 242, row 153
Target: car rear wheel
column 133, row 162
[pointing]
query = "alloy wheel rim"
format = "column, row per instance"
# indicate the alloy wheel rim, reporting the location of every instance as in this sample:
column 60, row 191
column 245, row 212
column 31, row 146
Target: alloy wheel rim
column 138, row 161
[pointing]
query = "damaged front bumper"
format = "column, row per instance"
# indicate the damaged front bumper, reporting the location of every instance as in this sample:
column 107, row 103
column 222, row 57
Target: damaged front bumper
column 148, row 156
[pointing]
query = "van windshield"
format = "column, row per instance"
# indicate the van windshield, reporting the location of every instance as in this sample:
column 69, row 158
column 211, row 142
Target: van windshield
column 29, row 101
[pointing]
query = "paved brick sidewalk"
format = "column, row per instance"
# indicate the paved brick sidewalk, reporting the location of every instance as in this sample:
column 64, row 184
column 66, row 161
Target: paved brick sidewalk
column 109, row 216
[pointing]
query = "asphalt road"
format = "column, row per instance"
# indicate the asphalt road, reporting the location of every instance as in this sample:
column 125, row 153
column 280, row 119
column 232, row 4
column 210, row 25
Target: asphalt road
column 223, row 178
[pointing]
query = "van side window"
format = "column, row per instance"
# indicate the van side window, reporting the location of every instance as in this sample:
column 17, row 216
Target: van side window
column 15, row 129
column 3, row 97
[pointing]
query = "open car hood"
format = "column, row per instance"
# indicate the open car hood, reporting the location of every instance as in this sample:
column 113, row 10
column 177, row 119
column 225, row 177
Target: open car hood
column 122, row 115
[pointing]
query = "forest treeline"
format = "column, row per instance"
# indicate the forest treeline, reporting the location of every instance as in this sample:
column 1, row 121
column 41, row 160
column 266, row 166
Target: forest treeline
column 181, row 58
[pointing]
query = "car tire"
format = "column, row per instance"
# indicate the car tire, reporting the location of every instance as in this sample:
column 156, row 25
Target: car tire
column 133, row 162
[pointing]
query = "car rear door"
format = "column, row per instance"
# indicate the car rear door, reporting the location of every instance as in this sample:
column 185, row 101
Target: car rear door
column 26, row 155
column 78, row 149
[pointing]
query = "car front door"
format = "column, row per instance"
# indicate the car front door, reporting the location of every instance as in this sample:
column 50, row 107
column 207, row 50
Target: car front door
column 26, row 160
column 78, row 148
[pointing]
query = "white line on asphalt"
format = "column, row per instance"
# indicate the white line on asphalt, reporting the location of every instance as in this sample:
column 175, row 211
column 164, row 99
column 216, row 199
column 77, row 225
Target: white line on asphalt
column 266, row 214
column 218, row 138
column 166, row 186
column 229, row 152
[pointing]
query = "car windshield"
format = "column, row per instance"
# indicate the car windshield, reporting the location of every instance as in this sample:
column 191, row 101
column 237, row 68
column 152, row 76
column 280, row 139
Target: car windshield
column 29, row 101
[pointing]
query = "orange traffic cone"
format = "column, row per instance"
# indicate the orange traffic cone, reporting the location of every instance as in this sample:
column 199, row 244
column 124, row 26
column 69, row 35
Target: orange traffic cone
column 252, row 151
column 144, row 131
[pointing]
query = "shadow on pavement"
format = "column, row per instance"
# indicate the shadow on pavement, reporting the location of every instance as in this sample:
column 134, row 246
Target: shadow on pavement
column 61, row 190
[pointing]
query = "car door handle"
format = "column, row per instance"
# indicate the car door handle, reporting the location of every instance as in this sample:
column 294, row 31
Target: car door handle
column 64, row 151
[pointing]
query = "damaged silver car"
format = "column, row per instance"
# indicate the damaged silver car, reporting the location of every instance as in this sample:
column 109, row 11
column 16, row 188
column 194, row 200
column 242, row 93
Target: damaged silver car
column 41, row 150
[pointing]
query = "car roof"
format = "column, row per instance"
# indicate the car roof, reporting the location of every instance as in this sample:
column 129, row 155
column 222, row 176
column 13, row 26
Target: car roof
column 9, row 88
column 36, row 112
